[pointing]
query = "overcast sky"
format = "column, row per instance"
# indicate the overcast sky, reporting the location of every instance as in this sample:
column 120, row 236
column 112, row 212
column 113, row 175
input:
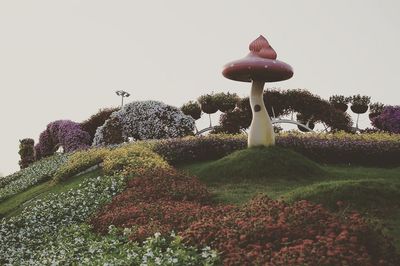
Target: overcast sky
column 65, row 59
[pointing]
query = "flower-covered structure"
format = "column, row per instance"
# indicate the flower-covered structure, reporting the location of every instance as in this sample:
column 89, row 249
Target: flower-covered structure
column 388, row 120
column 142, row 120
column 61, row 133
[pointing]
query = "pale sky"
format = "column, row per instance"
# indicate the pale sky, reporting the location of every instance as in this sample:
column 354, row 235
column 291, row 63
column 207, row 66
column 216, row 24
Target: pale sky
column 65, row 59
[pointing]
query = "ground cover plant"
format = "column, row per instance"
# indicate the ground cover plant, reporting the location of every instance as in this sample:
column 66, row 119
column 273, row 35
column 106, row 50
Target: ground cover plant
column 35, row 173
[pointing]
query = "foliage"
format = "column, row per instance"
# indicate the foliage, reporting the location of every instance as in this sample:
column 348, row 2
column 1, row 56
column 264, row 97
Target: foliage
column 23, row 235
column 110, row 133
column 377, row 149
column 334, row 99
column 80, row 161
column 91, row 124
column 149, row 120
column 280, row 103
column 26, row 152
column 388, row 120
column 35, row 173
column 360, row 100
column 189, row 149
column 64, row 133
column 265, row 231
column 226, row 101
column 208, row 103
column 132, row 159
column 376, row 108
column 193, row 109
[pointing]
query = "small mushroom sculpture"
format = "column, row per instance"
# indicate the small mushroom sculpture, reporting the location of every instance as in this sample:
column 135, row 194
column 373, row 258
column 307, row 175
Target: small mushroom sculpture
column 258, row 67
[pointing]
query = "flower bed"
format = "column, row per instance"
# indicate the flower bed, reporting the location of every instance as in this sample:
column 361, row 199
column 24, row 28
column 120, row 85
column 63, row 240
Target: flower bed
column 30, row 176
column 377, row 149
column 262, row 232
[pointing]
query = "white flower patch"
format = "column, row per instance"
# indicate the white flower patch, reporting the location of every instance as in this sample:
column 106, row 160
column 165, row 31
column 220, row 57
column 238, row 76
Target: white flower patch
column 143, row 120
column 32, row 175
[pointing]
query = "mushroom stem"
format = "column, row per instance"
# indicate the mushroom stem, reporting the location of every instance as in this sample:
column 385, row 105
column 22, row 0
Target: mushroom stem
column 261, row 129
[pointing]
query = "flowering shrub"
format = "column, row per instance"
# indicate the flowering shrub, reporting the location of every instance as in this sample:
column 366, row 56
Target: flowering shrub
column 132, row 159
column 26, row 152
column 376, row 149
column 161, row 201
column 190, row 149
column 90, row 125
column 388, row 120
column 22, row 235
column 268, row 232
column 35, row 173
column 110, row 133
column 149, row 120
column 80, row 161
column 63, row 133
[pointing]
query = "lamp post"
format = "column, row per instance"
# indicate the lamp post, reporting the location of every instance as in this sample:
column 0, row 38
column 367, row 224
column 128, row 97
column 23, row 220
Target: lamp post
column 122, row 94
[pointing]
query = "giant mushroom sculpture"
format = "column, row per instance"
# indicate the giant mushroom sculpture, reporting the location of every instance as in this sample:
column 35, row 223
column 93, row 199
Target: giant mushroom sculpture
column 258, row 67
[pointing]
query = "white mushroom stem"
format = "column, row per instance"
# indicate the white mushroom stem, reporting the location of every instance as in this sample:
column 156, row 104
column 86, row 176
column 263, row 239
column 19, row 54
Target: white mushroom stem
column 261, row 129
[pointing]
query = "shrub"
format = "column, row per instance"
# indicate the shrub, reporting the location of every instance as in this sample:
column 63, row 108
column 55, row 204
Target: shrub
column 90, row 125
column 36, row 173
column 272, row 232
column 208, row 104
column 110, row 133
column 132, row 159
column 375, row 149
column 375, row 109
column 64, row 133
column 388, row 120
column 149, row 120
column 193, row 109
column 226, row 101
column 26, row 152
column 80, row 161
column 189, row 149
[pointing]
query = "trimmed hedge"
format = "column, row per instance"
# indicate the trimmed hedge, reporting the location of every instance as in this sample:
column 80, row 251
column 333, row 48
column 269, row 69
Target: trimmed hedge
column 342, row 148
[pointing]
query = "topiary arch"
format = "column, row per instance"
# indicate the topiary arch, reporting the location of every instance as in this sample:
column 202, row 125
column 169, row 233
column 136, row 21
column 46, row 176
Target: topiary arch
column 311, row 108
column 61, row 133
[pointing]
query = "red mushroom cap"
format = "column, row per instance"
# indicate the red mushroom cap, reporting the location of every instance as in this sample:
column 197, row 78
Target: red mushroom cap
column 260, row 64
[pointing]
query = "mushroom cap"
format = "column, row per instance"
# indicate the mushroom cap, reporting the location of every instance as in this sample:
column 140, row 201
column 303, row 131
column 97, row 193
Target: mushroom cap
column 260, row 64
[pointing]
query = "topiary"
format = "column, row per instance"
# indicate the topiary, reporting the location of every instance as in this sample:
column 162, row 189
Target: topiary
column 64, row 133
column 339, row 102
column 26, row 152
column 208, row 104
column 226, row 101
column 388, row 120
column 90, row 125
column 143, row 120
column 193, row 109
column 110, row 133
column 359, row 104
column 375, row 109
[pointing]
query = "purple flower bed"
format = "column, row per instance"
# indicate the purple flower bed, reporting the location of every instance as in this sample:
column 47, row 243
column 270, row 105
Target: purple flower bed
column 333, row 151
column 65, row 133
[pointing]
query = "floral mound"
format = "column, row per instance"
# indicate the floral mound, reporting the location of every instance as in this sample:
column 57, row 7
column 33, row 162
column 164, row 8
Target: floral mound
column 264, row 231
column 64, row 133
column 146, row 120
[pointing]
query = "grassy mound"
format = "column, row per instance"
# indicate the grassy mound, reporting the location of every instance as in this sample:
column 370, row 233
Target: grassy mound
column 376, row 195
column 259, row 164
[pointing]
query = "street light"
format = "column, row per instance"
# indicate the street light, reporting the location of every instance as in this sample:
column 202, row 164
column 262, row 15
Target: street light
column 122, row 94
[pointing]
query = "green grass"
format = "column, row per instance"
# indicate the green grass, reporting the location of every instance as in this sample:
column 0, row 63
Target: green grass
column 17, row 203
column 375, row 192
column 260, row 164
